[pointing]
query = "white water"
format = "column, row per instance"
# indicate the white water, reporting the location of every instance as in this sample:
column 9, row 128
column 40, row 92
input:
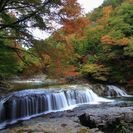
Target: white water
column 115, row 91
column 28, row 81
column 26, row 104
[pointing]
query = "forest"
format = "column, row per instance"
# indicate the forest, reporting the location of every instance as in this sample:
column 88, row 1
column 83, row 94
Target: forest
column 97, row 46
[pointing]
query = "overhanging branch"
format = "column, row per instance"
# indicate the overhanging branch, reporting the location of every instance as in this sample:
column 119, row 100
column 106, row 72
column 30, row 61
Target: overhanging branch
column 26, row 17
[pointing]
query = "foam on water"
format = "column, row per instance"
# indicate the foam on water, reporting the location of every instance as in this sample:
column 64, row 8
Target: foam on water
column 23, row 105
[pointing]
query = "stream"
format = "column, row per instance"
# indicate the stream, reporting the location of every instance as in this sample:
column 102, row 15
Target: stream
column 28, row 103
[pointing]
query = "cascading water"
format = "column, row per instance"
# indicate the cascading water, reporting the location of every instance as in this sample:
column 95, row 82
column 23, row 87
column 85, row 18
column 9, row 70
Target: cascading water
column 115, row 91
column 25, row 104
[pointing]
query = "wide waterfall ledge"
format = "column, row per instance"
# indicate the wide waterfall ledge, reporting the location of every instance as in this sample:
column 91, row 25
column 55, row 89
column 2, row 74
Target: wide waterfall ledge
column 25, row 104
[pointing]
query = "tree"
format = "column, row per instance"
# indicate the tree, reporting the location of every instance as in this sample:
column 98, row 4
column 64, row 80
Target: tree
column 8, row 61
column 114, row 3
column 95, row 72
column 108, row 43
column 17, row 17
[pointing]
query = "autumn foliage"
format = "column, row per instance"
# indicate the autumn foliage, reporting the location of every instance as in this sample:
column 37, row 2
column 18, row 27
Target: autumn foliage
column 97, row 46
column 106, row 15
column 108, row 40
column 71, row 9
column 76, row 26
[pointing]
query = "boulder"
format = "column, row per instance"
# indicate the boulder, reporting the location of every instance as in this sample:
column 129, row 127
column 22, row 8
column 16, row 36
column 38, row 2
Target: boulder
column 104, row 118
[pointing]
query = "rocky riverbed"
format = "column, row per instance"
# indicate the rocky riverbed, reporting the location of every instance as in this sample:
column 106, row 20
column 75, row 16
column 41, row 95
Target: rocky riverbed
column 113, row 117
column 106, row 118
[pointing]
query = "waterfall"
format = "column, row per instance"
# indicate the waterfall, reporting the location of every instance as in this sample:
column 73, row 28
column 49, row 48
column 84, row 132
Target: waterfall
column 25, row 104
column 115, row 91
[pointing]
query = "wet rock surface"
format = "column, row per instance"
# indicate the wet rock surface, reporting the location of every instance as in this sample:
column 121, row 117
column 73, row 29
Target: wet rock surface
column 83, row 119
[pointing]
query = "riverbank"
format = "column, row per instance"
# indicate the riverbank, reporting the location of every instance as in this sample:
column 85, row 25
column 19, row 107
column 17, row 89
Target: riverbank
column 42, row 81
column 104, row 118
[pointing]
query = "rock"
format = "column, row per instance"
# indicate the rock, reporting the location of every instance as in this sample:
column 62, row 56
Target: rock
column 83, row 119
column 87, row 121
column 58, row 125
column 103, row 118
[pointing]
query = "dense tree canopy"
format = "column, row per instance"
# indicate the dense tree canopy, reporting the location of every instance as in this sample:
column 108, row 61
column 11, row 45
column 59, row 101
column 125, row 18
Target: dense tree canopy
column 112, row 32
column 98, row 46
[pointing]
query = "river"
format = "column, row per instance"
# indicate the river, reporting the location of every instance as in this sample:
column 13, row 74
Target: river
column 43, row 99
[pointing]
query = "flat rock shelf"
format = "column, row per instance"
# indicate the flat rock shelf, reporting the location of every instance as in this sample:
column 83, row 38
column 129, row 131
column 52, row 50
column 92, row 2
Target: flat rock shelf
column 83, row 119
